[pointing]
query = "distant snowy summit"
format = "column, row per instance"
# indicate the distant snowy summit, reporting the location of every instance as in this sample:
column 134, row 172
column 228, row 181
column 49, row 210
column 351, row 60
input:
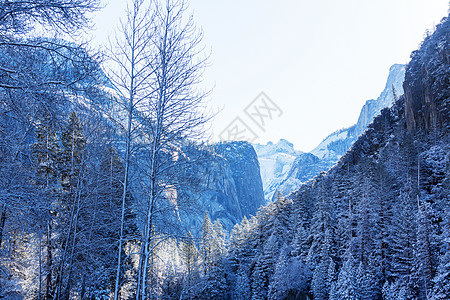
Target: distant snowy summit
column 284, row 169
column 269, row 149
column 275, row 161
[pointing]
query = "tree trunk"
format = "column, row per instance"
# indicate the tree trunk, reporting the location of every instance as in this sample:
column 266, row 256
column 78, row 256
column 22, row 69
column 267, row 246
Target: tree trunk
column 48, row 293
column 2, row 222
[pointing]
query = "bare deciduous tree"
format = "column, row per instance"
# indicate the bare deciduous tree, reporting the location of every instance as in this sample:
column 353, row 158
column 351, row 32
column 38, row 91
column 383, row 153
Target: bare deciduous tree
column 130, row 75
column 18, row 17
column 158, row 65
column 175, row 109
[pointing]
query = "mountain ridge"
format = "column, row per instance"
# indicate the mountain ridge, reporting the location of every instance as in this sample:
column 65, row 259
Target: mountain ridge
column 304, row 166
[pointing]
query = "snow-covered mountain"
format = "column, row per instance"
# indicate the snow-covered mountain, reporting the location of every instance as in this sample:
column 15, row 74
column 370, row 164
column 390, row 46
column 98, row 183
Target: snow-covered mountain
column 284, row 169
column 275, row 161
column 336, row 144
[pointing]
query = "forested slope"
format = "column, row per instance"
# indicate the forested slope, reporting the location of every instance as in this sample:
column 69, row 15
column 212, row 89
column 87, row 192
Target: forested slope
column 375, row 226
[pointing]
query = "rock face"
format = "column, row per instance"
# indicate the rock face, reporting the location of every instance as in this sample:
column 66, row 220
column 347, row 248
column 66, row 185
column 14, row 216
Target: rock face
column 427, row 86
column 243, row 166
column 392, row 90
column 229, row 186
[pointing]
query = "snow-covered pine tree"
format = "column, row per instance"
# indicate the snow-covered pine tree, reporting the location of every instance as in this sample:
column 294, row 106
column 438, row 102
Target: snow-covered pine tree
column 264, row 268
column 322, row 224
column 300, row 243
column 207, row 245
column 212, row 249
column 332, row 280
column 422, row 270
column 367, row 283
column 72, row 177
column 346, row 286
column 242, row 288
column 45, row 152
column 189, row 255
column 320, row 282
column 278, row 286
column 219, row 239
column 441, row 289
column 402, row 238
column 70, row 162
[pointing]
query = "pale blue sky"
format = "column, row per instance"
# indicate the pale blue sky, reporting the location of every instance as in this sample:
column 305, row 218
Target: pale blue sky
column 318, row 60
